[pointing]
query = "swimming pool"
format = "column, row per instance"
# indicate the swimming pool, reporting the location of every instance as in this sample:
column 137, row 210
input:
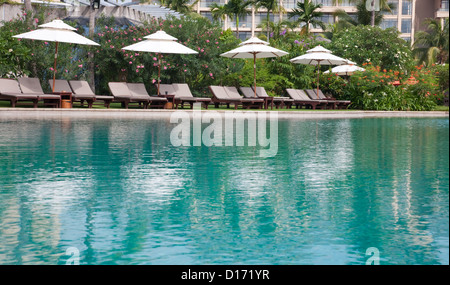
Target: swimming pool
column 116, row 191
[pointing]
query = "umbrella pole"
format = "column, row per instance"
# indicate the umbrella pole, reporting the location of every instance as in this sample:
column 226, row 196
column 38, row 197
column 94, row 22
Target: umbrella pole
column 318, row 69
column 54, row 68
column 254, row 71
column 159, row 72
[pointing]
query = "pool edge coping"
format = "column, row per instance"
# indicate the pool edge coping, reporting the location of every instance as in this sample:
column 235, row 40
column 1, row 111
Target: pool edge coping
column 162, row 113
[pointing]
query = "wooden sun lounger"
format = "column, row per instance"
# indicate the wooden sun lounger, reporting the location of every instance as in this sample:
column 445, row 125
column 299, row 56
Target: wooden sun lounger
column 123, row 95
column 279, row 101
column 247, row 103
column 81, row 88
column 220, row 96
column 62, row 86
column 10, row 91
column 301, row 99
column 181, row 93
column 33, row 86
column 340, row 104
column 138, row 91
column 332, row 104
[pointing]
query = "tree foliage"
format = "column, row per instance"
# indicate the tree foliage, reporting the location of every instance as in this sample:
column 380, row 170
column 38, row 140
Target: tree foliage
column 364, row 44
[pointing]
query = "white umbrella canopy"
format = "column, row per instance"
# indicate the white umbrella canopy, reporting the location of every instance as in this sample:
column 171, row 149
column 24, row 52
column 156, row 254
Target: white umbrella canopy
column 346, row 69
column 254, row 48
column 160, row 42
column 319, row 56
column 59, row 32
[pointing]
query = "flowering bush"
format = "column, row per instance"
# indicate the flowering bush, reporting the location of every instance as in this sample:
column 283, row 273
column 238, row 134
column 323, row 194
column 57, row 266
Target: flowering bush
column 366, row 44
column 199, row 70
column 374, row 89
column 36, row 58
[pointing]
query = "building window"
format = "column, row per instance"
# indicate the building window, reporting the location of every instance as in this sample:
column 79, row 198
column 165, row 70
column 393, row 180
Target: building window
column 406, row 7
column 408, row 39
column 244, row 22
column 388, row 23
column 406, row 26
column 346, row 3
column 394, row 8
column 327, row 19
column 207, row 15
column 208, row 3
column 290, row 4
column 244, row 35
column 324, row 2
column 444, row 5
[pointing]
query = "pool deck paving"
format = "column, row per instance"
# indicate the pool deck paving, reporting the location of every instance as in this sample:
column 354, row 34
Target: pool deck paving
column 53, row 113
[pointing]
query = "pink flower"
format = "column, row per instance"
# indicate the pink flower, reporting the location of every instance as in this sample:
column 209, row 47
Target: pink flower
column 185, row 70
column 179, row 26
column 51, row 68
column 210, row 74
column 155, row 58
column 153, row 81
column 80, row 66
column 137, row 70
column 217, row 43
column 207, row 41
column 36, row 20
column 45, row 43
column 130, row 62
column 165, row 67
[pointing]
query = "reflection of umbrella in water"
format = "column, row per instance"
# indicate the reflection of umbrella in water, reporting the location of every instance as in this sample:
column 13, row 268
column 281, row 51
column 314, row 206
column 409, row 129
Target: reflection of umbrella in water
column 56, row 31
column 254, row 48
column 160, row 42
column 319, row 56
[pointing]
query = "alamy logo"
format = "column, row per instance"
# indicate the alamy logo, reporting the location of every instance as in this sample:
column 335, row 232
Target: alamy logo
column 226, row 129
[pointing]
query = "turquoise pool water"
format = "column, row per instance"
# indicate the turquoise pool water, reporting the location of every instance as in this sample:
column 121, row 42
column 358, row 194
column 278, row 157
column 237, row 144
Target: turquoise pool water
column 117, row 192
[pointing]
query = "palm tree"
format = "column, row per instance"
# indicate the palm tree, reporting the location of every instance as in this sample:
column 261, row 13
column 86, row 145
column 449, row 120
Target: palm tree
column 277, row 28
column 233, row 9
column 370, row 17
column 218, row 11
column 431, row 46
column 307, row 13
column 181, row 6
column 271, row 6
column 363, row 17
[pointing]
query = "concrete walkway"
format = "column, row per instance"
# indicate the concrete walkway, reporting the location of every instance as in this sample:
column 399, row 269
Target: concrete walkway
column 44, row 113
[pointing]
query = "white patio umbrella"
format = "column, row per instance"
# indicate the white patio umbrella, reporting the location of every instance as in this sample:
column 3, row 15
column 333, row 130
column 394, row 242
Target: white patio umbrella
column 254, row 48
column 346, row 69
column 56, row 31
column 319, row 56
column 160, row 42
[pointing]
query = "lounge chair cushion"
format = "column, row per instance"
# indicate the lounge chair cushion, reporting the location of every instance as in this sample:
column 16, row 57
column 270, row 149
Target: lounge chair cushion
column 163, row 88
column 119, row 90
column 9, row 89
column 30, row 85
column 138, row 91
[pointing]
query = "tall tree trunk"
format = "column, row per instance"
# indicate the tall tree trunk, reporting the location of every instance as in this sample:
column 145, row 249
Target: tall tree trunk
column 237, row 26
column 372, row 20
column 91, row 67
column 268, row 19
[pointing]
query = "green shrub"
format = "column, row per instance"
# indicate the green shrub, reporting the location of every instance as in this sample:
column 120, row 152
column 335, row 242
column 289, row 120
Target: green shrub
column 366, row 44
